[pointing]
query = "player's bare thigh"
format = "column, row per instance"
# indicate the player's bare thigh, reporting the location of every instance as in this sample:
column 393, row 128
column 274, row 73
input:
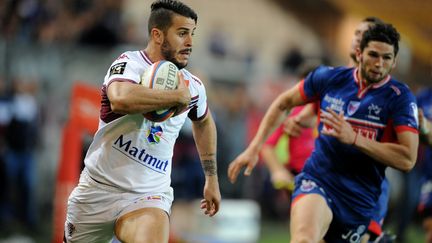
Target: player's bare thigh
column 310, row 218
column 145, row 225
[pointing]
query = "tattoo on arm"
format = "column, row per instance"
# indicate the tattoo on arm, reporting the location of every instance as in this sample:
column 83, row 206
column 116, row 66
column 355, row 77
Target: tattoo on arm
column 207, row 155
column 209, row 167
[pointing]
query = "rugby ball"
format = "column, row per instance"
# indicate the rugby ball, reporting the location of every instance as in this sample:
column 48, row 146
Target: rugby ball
column 160, row 75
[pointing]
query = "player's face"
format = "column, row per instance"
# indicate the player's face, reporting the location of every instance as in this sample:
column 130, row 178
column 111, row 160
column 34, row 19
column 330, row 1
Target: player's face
column 358, row 33
column 177, row 44
column 427, row 226
column 376, row 61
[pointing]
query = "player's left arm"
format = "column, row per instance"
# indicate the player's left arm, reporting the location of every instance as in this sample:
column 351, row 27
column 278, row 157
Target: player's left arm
column 204, row 132
column 401, row 155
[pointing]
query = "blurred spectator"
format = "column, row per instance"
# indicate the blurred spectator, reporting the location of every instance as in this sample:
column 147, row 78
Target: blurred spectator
column 231, row 118
column 5, row 118
column 104, row 26
column 292, row 61
column 218, row 42
column 20, row 167
column 92, row 22
column 187, row 178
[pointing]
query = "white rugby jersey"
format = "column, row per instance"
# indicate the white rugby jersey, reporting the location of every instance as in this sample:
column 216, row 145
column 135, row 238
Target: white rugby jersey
column 129, row 151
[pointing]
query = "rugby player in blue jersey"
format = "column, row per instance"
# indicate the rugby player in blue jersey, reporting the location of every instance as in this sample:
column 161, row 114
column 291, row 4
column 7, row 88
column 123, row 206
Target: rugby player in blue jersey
column 306, row 117
column 368, row 121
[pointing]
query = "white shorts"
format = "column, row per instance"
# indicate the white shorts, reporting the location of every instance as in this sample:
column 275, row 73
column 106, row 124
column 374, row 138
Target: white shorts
column 93, row 209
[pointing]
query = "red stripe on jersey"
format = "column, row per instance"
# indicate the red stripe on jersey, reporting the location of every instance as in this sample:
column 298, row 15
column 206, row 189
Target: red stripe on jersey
column 365, row 123
column 297, row 198
column 193, row 114
column 120, row 80
column 302, row 92
column 106, row 114
column 375, row 228
column 317, row 105
column 389, row 134
column 145, row 57
column 355, row 76
column 196, row 79
column 404, row 128
column 382, row 82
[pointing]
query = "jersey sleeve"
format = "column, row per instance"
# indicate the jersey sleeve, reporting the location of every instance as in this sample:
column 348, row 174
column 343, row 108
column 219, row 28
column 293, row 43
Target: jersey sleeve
column 123, row 68
column 198, row 105
column 314, row 84
column 405, row 112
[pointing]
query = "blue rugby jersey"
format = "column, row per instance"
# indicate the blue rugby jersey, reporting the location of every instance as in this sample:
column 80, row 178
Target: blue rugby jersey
column 377, row 111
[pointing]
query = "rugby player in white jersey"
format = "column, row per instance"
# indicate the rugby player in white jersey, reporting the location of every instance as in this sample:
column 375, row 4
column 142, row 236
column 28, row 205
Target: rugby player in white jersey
column 124, row 189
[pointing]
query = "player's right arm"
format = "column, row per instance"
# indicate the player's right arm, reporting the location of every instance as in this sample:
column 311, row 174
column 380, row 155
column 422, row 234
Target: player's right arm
column 274, row 116
column 130, row 98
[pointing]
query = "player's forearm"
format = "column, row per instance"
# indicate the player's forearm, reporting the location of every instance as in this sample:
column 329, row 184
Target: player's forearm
column 206, row 139
column 398, row 156
column 127, row 98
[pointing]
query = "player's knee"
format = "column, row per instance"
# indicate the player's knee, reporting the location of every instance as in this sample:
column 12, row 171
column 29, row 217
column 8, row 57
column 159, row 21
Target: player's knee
column 303, row 239
column 123, row 231
column 305, row 235
column 143, row 226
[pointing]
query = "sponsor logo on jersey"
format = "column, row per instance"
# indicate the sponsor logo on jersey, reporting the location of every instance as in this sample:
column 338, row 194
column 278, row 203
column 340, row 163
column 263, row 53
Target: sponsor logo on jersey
column 354, row 235
column 374, row 112
column 307, row 185
column 119, row 68
column 122, row 56
column 139, row 155
column 154, row 134
column 353, row 107
column 335, row 104
column 414, row 112
column 367, row 132
column 150, row 198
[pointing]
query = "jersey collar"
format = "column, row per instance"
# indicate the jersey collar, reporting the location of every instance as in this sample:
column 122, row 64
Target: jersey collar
column 145, row 57
column 363, row 87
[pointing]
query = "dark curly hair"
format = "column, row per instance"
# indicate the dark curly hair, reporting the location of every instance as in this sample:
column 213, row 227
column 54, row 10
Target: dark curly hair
column 382, row 33
column 162, row 12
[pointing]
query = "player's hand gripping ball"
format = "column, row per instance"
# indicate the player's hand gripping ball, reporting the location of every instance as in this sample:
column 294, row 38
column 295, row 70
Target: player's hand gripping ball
column 160, row 75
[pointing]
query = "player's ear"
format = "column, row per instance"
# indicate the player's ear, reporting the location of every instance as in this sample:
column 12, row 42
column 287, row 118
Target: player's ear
column 157, row 35
column 358, row 54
